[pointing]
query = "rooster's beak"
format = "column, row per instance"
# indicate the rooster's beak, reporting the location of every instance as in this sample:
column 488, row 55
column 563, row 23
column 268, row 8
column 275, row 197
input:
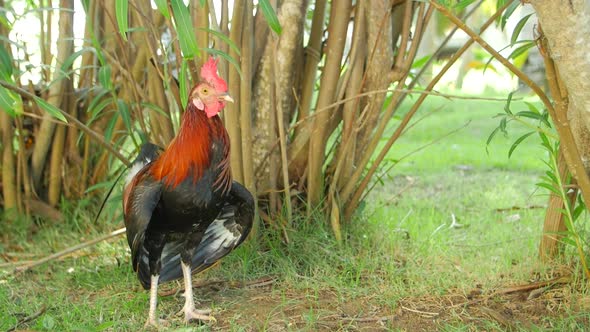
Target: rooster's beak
column 225, row 96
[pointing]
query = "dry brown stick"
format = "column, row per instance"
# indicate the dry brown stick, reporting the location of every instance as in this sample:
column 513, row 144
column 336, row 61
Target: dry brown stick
column 514, row 289
column 69, row 251
column 367, row 319
column 28, row 318
column 425, row 313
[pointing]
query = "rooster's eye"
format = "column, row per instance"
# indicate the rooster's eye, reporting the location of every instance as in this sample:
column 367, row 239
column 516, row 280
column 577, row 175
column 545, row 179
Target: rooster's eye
column 205, row 91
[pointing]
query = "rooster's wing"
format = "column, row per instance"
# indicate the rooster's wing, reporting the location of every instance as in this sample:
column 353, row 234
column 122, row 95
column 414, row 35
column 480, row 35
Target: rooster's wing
column 225, row 233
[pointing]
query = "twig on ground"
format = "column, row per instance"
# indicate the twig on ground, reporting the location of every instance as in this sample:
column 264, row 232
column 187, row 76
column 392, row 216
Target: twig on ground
column 520, row 288
column 29, row 318
column 424, row 313
column 528, row 207
column 68, row 251
column 367, row 319
column 14, row 264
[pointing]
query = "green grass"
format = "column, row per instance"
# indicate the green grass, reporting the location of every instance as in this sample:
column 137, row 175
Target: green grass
column 401, row 257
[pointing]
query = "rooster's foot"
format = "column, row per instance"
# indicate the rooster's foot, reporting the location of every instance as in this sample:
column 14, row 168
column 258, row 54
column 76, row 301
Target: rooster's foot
column 195, row 314
column 156, row 323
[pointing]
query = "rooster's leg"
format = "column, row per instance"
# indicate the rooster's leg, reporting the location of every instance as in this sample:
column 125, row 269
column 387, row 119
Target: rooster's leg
column 190, row 313
column 152, row 318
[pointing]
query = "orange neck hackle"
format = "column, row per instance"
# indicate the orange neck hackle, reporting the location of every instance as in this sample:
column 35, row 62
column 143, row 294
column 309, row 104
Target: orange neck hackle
column 189, row 153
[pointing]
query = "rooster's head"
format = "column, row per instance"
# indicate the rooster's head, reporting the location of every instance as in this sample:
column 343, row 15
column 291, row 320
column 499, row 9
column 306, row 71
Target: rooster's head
column 211, row 94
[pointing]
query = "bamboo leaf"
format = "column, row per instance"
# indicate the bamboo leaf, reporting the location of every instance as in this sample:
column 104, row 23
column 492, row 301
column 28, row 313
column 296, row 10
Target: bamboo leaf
column 529, row 114
column 222, row 37
column 125, row 114
column 545, row 141
column 85, row 5
column 97, row 109
column 7, row 101
column 518, row 28
column 163, row 8
column 52, row 110
column 508, row 101
column 507, row 13
column 568, row 241
column 518, row 141
column 66, row 65
column 420, row 62
column 6, row 68
column 578, row 211
column 155, row 108
column 551, row 177
column 184, row 29
column 549, row 187
column 183, row 83
column 270, row 16
column 520, row 50
column 532, row 107
column 226, row 57
column 121, row 13
column 462, row 4
column 104, row 77
column 108, row 132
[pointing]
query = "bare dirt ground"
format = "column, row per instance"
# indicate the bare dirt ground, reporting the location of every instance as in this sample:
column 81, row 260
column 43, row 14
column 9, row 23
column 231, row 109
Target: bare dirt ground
column 264, row 305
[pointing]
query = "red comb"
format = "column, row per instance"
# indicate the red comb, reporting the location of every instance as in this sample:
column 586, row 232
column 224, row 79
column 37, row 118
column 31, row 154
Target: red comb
column 209, row 74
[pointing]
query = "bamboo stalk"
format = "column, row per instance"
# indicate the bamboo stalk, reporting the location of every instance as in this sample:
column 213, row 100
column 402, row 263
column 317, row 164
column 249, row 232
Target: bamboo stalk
column 246, row 100
column 25, row 176
column 298, row 149
column 89, row 60
column 65, row 47
column 9, row 188
column 349, row 188
column 8, row 164
column 200, row 21
column 339, row 15
column 345, row 156
column 273, row 187
column 283, row 143
column 55, row 166
column 224, row 28
column 232, row 113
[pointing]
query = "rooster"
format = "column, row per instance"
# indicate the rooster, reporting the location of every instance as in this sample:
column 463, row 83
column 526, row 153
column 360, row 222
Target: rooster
column 181, row 208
